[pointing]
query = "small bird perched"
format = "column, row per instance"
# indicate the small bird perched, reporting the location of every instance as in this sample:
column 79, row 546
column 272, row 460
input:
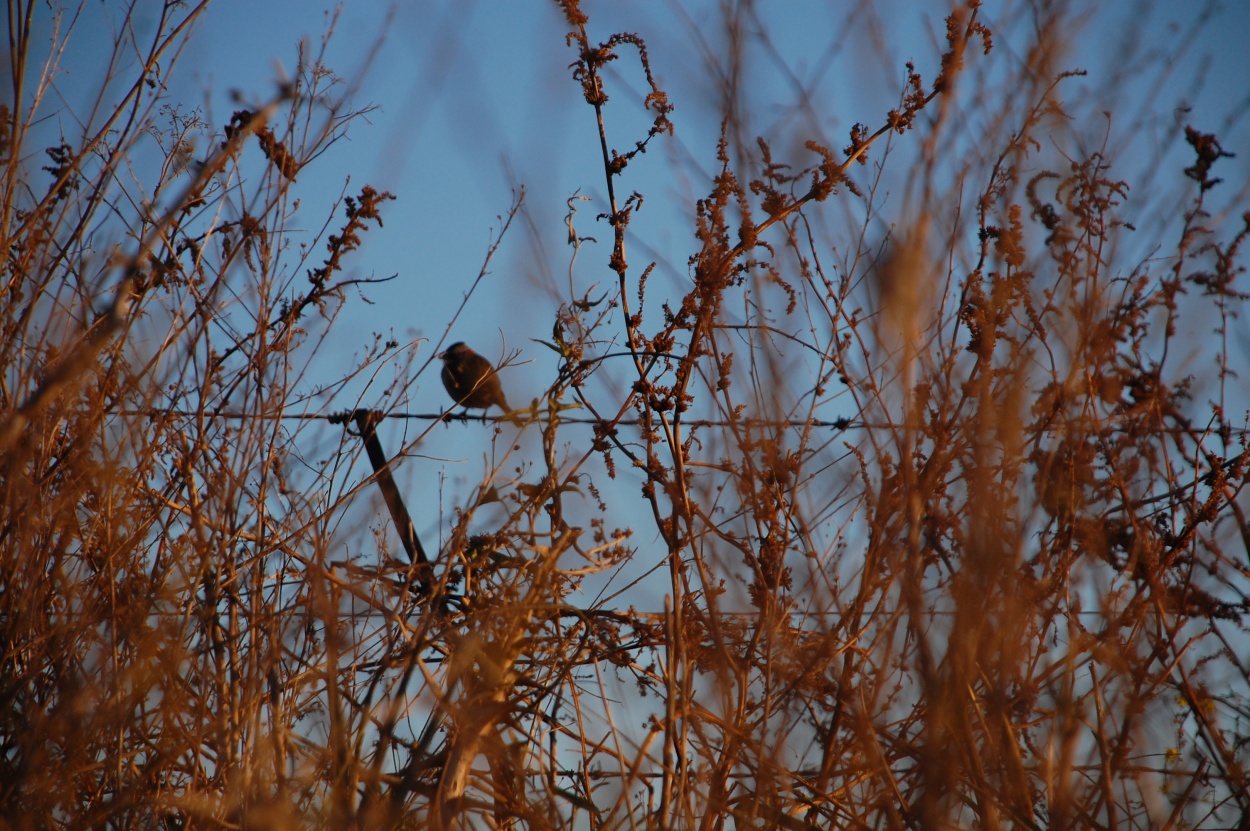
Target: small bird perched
column 470, row 379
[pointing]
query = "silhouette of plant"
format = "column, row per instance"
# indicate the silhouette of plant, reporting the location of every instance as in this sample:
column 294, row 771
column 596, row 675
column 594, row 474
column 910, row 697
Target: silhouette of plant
column 882, row 513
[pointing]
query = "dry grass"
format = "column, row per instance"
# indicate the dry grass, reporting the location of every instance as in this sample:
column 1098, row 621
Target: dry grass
column 948, row 535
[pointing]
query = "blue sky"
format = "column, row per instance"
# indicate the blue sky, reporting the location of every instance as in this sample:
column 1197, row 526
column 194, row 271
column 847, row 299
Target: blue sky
column 474, row 99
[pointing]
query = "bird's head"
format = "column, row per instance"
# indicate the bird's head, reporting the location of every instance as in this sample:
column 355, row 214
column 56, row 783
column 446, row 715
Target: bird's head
column 456, row 350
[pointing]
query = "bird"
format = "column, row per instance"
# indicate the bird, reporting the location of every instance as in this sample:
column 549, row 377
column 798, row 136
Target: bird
column 470, row 379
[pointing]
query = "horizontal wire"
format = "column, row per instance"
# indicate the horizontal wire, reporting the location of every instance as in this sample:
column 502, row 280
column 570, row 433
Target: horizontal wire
column 465, row 418
column 347, row 415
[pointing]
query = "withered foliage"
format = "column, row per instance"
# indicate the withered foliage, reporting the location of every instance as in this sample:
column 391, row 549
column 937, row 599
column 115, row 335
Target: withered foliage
column 933, row 522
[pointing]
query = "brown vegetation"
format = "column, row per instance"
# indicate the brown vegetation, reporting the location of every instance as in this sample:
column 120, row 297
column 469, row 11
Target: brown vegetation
column 949, row 533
